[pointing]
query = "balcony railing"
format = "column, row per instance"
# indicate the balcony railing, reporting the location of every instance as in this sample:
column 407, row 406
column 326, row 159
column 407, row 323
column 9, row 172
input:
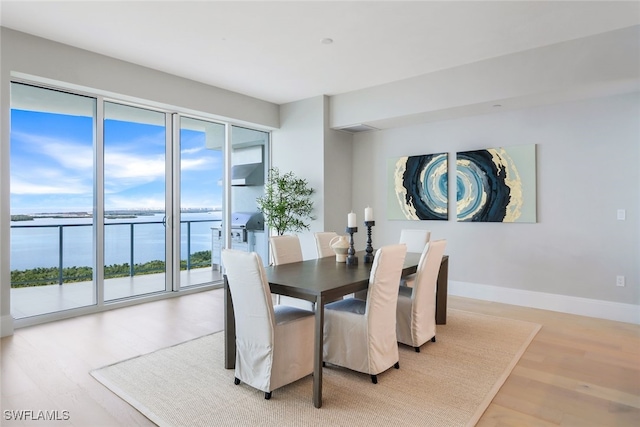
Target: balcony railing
column 132, row 270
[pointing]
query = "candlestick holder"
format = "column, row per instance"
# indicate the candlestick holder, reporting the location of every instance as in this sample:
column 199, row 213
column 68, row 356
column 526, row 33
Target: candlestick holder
column 368, row 258
column 352, row 259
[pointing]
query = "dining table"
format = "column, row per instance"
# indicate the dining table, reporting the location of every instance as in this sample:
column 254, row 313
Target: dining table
column 323, row 280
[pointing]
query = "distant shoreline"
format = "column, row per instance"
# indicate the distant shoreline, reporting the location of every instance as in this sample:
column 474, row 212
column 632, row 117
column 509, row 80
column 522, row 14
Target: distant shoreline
column 115, row 214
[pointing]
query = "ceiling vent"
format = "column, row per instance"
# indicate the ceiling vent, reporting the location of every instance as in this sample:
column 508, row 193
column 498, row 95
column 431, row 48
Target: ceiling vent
column 357, row 128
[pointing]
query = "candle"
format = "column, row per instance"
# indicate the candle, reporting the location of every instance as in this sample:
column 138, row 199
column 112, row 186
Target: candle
column 351, row 220
column 368, row 214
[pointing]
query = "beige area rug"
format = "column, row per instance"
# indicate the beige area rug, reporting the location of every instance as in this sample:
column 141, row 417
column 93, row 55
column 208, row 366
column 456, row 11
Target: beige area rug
column 449, row 383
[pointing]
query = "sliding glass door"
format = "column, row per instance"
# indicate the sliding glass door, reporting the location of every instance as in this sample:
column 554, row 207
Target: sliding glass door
column 249, row 170
column 200, row 196
column 52, row 199
column 111, row 201
column 135, row 209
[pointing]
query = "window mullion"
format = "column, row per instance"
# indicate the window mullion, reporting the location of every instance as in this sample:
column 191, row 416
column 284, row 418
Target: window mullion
column 98, row 203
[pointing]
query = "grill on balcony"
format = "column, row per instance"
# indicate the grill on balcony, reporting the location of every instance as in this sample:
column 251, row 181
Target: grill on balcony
column 246, row 229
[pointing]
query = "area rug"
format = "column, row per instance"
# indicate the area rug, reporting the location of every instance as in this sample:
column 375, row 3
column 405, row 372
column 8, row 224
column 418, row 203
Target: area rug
column 449, row 383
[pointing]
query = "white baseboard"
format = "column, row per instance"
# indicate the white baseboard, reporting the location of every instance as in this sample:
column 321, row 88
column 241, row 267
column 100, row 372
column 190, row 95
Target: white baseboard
column 629, row 313
column 6, row 326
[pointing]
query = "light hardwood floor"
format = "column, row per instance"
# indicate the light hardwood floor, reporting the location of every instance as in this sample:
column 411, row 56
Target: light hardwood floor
column 578, row 371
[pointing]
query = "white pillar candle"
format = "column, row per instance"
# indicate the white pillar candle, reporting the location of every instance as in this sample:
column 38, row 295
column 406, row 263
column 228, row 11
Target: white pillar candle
column 368, row 214
column 351, row 220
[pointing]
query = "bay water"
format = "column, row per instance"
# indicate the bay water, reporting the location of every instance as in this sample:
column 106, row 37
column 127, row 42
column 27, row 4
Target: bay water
column 35, row 247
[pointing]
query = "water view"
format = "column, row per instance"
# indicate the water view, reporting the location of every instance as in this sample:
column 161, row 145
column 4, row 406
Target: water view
column 35, row 243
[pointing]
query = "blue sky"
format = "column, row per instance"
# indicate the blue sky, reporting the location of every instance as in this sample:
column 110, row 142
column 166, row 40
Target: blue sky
column 52, row 165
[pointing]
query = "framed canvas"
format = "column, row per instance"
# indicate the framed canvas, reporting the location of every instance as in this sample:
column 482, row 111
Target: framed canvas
column 496, row 184
column 418, row 187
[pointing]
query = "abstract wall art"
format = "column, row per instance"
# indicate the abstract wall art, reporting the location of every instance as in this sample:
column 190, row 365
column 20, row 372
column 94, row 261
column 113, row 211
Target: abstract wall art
column 496, row 184
column 418, row 187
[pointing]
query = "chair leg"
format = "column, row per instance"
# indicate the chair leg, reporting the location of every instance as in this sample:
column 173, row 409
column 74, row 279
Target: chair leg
column 433, row 339
column 374, row 379
column 236, row 381
column 267, row 395
column 397, row 365
column 417, row 349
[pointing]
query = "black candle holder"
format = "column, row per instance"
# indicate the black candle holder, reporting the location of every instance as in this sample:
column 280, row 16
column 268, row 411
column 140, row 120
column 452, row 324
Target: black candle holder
column 352, row 259
column 368, row 258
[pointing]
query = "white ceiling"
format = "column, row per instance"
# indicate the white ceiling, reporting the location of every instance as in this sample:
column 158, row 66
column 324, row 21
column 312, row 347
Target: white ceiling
column 273, row 50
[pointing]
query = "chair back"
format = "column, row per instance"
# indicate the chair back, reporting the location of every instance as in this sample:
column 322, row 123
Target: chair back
column 285, row 249
column 382, row 297
column 323, row 240
column 249, row 287
column 415, row 239
column 423, row 305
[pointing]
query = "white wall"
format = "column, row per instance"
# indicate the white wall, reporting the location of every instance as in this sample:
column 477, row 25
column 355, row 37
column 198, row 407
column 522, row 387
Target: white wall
column 298, row 147
column 588, row 154
column 306, row 146
column 338, row 158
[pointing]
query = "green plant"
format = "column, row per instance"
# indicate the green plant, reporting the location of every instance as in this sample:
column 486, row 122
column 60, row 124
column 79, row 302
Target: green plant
column 287, row 203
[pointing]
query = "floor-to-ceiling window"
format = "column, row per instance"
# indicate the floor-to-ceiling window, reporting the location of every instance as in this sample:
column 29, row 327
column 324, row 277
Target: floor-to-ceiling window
column 201, row 171
column 52, row 181
column 111, row 200
column 249, row 159
column 135, row 177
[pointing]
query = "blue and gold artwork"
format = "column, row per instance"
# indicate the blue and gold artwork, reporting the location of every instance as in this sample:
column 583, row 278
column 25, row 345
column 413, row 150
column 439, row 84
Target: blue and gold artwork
column 418, row 187
column 496, row 184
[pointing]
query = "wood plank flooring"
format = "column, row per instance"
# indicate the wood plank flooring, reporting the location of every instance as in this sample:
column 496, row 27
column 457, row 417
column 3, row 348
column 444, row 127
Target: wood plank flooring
column 578, row 371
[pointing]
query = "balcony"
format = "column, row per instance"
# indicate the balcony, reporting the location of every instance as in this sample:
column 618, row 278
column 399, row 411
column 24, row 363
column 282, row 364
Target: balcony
column 37, row 300
column 61, row 293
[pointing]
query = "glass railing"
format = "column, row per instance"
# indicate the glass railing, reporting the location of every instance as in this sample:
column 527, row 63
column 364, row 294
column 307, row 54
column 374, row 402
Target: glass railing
column 52, row 274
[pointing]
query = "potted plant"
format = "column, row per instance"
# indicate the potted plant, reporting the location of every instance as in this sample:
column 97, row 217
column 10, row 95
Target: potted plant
column 286, row 203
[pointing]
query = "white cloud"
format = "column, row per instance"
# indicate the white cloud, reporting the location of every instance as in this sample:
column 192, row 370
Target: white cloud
column 121, row 165
column 134, row 202
column 70, row 154
column 191, row 150
column 55, row 166
column 68, row 186
column 195, row 164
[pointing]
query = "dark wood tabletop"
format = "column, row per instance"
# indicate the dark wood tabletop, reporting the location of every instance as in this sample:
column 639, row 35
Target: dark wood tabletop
column 325, row 277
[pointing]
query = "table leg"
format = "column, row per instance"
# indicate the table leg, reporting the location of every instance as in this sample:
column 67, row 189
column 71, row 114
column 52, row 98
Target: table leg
column 317, row 358
column 229, row 329
column 441, row 292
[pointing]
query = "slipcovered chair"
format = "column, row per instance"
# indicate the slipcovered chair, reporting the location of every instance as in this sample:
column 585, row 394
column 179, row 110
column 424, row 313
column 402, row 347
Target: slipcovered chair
column 274, row 345
column 416, row 309
column 285, row 250
column 361, row 334
column 322, row 243
column 415, row 240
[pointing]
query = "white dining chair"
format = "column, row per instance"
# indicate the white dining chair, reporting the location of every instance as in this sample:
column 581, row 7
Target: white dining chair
column 286, row 249
column 416, row 308
column 274, row 345
column 361, row 334
column 415, row 239
column 323, row 239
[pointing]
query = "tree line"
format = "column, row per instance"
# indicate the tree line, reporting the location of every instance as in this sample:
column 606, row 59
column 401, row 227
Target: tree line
column 42, row 276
